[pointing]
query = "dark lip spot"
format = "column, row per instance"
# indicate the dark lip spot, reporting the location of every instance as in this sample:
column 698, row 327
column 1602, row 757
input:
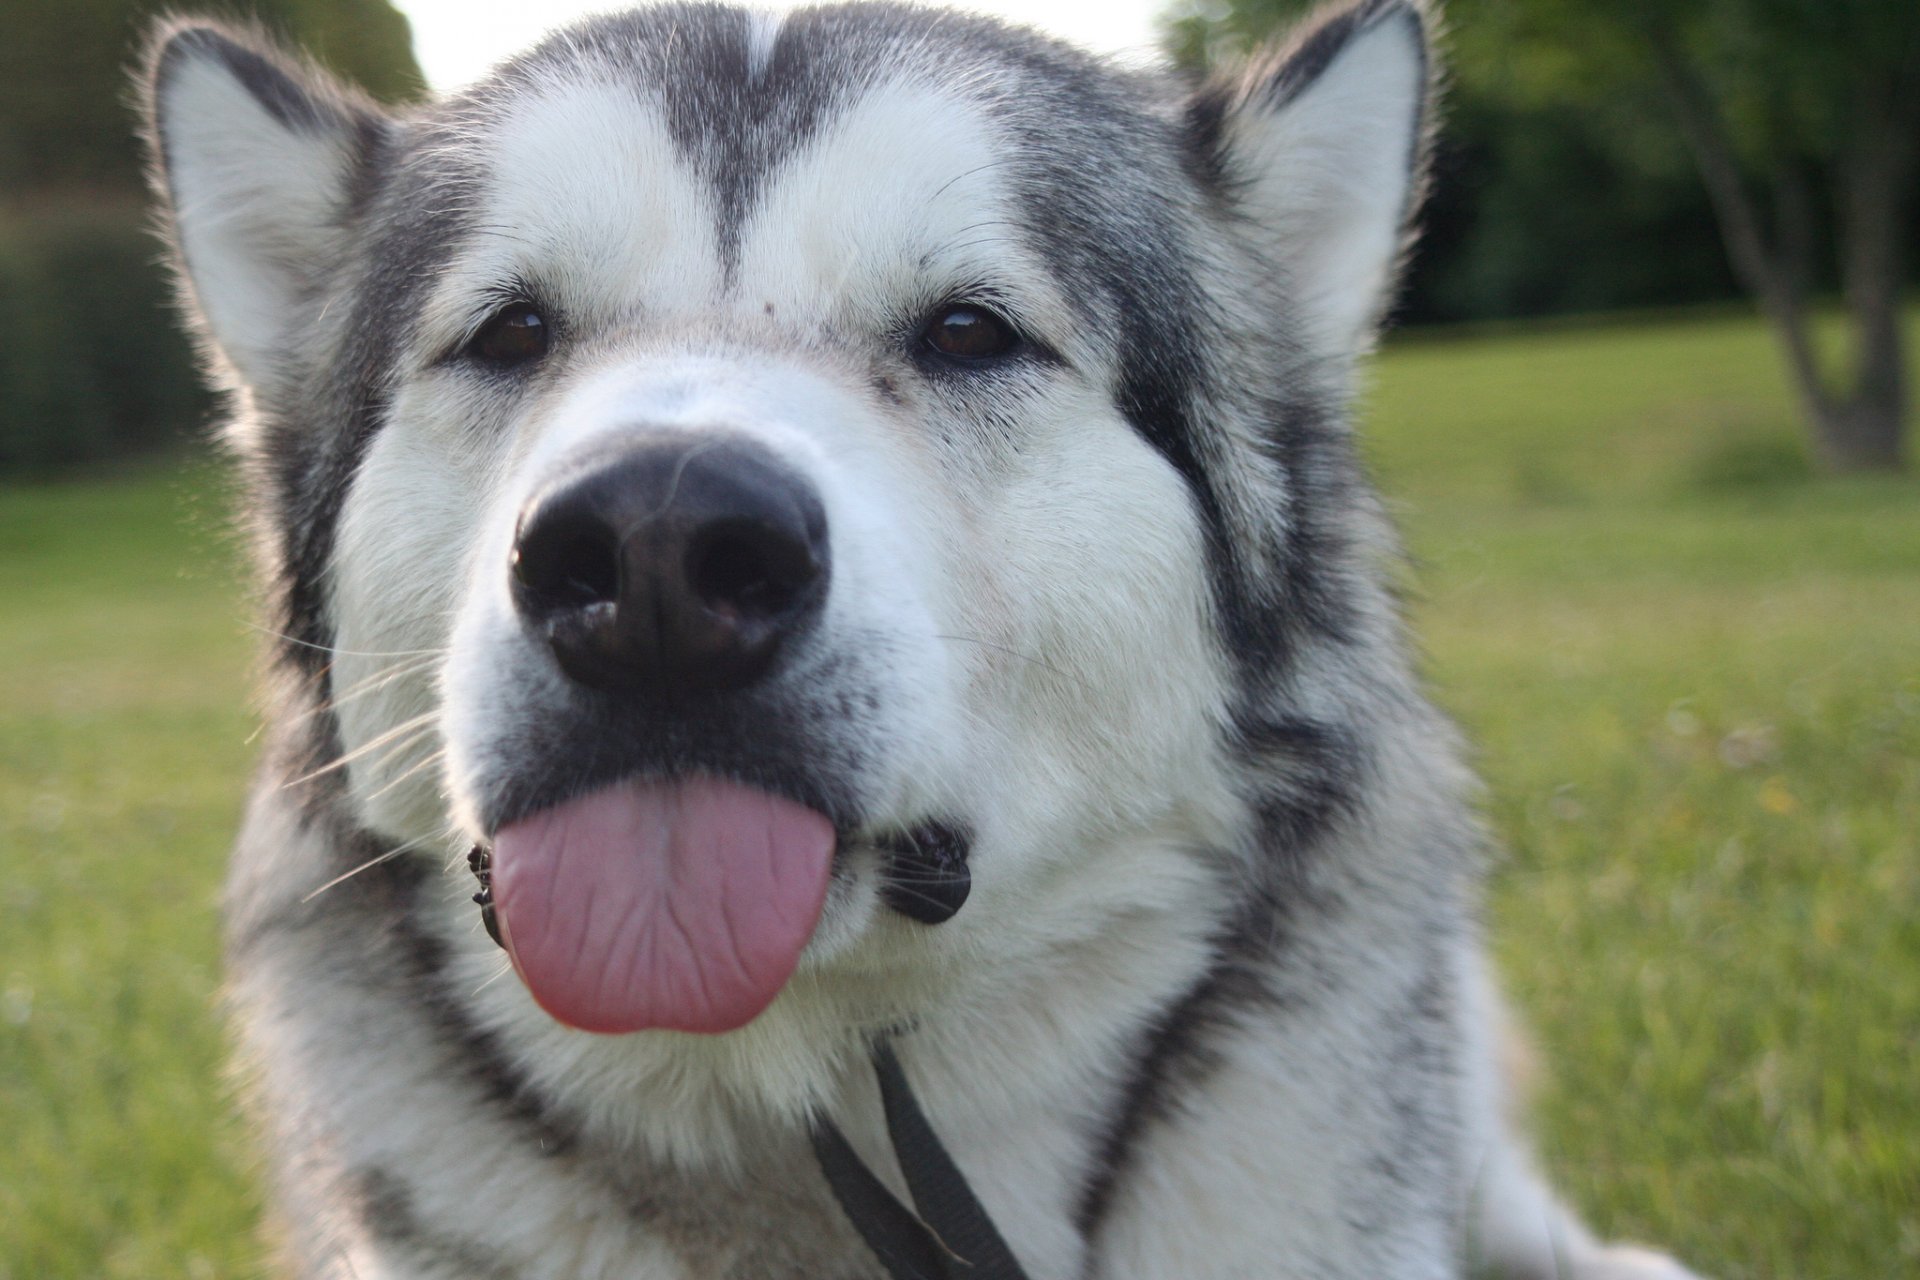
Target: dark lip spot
column 926, row 876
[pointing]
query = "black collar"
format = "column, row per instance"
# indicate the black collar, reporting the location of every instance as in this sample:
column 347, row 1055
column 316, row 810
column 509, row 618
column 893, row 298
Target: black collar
column 946, row 1235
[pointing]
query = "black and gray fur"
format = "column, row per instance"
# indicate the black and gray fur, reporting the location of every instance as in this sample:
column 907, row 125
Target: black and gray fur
column 1217, row 1011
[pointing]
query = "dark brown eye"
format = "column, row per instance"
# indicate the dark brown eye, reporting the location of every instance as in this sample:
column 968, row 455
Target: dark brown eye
column 515, row 335
column 969, row 332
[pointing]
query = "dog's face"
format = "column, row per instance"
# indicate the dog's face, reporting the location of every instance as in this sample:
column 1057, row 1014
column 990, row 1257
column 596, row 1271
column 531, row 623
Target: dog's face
column 761, row 475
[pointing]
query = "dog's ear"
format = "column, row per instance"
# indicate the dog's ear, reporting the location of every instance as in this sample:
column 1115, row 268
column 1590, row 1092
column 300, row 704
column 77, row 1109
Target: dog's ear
column 255, row 161
column 1320, row 145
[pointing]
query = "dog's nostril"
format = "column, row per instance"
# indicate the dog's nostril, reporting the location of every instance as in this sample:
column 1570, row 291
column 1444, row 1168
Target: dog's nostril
column 566, row 564
column 747, row 569
column 674, row 566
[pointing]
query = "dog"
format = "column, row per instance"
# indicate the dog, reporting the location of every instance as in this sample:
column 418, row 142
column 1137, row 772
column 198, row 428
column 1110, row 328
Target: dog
column 841, row 534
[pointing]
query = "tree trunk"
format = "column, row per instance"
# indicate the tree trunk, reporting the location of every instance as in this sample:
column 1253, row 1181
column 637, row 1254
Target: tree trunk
column 1875, row 176
column 1862, row 426
column 1767, row 272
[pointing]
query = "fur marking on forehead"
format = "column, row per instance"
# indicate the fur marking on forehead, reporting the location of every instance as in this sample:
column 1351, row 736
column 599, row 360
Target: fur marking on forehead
column 590, row 196
column 742, row 94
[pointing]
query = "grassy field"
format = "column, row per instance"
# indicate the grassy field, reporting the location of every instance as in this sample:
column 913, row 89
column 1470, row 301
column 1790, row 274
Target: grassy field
column 1693, row 671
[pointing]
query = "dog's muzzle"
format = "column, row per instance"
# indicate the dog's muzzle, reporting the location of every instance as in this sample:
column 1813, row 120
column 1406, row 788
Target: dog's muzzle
column 673, row 578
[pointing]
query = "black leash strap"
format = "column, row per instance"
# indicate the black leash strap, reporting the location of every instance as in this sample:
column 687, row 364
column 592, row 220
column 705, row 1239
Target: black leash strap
column 950, row 1237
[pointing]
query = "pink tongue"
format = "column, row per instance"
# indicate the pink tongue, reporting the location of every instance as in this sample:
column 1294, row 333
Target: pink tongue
column 661, row 904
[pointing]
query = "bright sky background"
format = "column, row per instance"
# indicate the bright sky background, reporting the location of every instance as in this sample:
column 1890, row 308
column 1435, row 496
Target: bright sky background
column 457, row 40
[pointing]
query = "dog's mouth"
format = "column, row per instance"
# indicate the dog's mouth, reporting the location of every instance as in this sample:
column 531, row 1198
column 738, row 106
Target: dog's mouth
column 683, row 904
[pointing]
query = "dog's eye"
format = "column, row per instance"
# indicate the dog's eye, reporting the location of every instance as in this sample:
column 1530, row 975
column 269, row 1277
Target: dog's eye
column 515, row 335
column 969, row 332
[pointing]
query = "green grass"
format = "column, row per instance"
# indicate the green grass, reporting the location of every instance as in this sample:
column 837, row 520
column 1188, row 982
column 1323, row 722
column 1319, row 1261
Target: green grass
column 123, row 732
column 1693, row 673
column 1694, row 678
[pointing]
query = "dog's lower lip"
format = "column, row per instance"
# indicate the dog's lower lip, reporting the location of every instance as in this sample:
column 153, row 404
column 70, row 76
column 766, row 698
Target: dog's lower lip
column 480, row 862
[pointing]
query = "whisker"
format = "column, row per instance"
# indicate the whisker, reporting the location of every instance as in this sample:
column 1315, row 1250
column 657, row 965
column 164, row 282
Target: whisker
column 350, row 653
column 376, row 682
column 981, row 225
column 975, row 244
column 961, row 177
column 425, row 762
column 928, row 898
column 895, row 877
column 506, row 967
column 995, row 645
column 1009, row 650
column 410, row 730
column 388, row 752
column 368, row 865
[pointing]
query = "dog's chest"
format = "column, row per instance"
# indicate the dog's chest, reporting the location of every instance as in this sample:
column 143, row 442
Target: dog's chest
column 774, row 1220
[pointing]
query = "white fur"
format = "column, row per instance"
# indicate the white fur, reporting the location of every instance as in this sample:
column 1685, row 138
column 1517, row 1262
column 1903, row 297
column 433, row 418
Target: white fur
column 760, row 44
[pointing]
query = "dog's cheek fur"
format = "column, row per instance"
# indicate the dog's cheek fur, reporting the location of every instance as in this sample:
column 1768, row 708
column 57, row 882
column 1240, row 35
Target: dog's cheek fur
column 1104, row 714
column 406, row 554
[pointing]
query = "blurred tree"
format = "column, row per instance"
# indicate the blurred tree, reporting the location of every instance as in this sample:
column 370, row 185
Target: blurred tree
column 1537, row 208
column 1805, row 95
column 103, row 371
column 1777, row 102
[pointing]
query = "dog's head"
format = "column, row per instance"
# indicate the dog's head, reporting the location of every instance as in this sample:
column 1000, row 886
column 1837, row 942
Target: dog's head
column 761, row 475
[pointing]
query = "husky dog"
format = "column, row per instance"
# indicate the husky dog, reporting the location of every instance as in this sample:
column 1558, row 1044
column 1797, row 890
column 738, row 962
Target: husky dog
column 847, row 523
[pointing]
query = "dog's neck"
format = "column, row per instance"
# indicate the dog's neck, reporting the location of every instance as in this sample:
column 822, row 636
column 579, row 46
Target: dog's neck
column 1021, row 1048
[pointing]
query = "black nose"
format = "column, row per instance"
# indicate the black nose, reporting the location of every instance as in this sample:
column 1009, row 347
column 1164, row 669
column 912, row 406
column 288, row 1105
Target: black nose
column 679, row 565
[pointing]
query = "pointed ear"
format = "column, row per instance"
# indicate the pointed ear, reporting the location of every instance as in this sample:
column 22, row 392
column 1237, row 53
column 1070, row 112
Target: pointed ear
column 1322, row 144
column 255, row 162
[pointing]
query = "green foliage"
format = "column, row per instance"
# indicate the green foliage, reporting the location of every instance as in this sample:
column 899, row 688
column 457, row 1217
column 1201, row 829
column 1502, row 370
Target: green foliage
column 1562, row 184
column 1790, row 68
column 1201, row 33
column 96, row 367
column 65, row 64
column 1628, row 415
column 1533, row 213
column 1789, row 73
column 1699, row 720
column 1543, row 203
column 366, row 41
column 1752, row 466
